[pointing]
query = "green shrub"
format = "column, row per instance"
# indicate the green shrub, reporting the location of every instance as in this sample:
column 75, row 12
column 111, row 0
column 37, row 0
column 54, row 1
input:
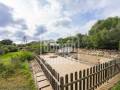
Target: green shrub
column 26, row 56
column 5, row 49
column 6, row 70
column 2, row 67
column 16, row 62
column 12, row 48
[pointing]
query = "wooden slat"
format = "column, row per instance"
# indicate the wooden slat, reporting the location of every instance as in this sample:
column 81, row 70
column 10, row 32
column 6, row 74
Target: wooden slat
column 87, row 83
column 66, row 81
column 99, row 75
column 96, row 76
column 84, row 79
column 91, row 77
column 71, row 80
column 80, row 82
column 76, row 84
column 61, row 83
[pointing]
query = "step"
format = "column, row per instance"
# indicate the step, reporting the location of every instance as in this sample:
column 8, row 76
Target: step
column 43, row 80
column 37, row 71
column 43, row 84
column 39, row 74
column 47, row 88
column 40, row 78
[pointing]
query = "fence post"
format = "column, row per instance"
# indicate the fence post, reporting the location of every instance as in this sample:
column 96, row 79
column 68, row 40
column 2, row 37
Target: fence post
column 62, row 83
column 76, row 77
column 92, row 70
column 108, row 70
column 87, row 79
column 91, row 83
column 101, row 73
column 54, row 83
column 105, row 71
column 80, row 83
column 96, row 69
column 71, row 80
column 84, row 80
column 111, row 69
column 58, row 87
column 66, row 81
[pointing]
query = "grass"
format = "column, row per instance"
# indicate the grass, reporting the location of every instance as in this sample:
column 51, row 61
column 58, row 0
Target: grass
column 16, row 82
column 6, row 58
column 22, row 78
column 117, row 86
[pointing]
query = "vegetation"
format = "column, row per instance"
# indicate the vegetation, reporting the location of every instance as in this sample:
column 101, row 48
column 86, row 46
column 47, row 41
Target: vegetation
column 14, row 59
column 116, row 87
column 7, row 46
column 15, row 72
column 105, row 34
column 36, row 47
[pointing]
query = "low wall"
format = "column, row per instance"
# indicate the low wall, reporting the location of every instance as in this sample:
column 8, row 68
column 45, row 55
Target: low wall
column 103, row 53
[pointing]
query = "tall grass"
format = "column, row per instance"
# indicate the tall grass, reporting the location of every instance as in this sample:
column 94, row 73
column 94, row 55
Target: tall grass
column 15, row 73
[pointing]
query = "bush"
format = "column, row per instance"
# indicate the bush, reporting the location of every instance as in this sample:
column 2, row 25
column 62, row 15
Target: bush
column 12, row 48
column 6, row 70
column 16, row 62
column 26, row 56
column 5, row 49
column 8, row 48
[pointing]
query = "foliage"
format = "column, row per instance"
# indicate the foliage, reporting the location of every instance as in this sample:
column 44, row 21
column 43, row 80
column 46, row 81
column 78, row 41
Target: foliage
column 36, row 47
column 6, row 42
column 7, row 46
column 117, row 86
column 26, row 56
column 17, row 56
column 6, row 70
column 105, row 34
column 16, row 67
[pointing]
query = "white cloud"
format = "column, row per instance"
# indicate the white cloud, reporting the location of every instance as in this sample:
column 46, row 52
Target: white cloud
column 48, row 13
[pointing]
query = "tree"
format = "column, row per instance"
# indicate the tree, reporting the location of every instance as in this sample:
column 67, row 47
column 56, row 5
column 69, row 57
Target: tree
column 6, row 42
column 106, row 33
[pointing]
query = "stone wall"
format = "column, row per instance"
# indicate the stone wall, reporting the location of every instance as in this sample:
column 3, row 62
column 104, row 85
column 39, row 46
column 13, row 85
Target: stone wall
column 103, row 53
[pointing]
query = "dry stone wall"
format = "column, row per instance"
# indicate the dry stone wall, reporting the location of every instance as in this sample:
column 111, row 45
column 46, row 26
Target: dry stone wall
column 103, row 53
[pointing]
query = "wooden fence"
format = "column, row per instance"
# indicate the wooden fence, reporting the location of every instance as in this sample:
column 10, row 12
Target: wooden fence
column 50, row 73
column 88, row 79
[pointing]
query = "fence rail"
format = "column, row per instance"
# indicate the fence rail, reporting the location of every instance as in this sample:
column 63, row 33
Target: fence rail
column 50, row 73
column 88, row 79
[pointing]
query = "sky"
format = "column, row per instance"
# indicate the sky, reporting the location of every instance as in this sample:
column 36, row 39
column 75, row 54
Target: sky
column 52, row 19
